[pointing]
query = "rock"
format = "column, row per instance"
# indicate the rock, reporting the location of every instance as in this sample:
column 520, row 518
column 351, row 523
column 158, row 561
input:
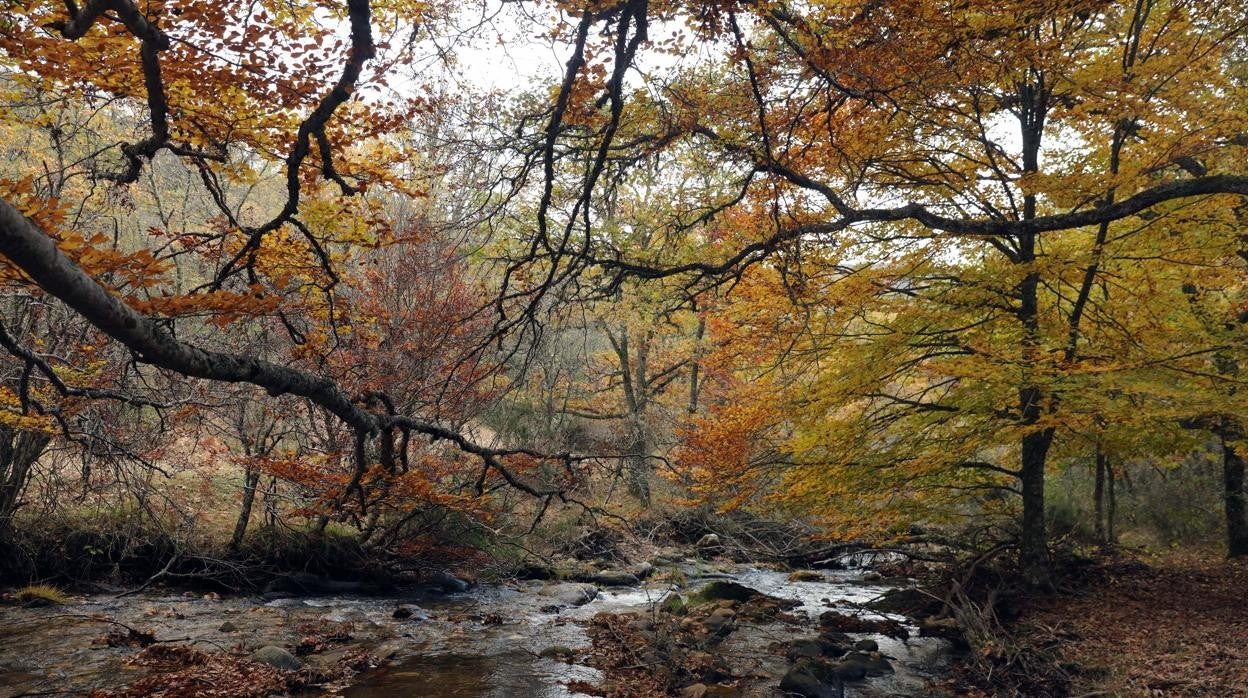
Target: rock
column 641, row 570
column 615, row 578
column 227, row 627
column 535, row 571
column 867, row 646
column 835, row 643
column 286, row 602
column 855, row 624
column 871, row 577
column 409, row 612
column 803, row 647
column 724, row 591
column 812, row 679
column 276, row 657
column 389, row 650
column 697, row 690
column 708, row 544
column 940, row 627
column 307, row 584
column 719, row 619
column 551, row 608
column 558, row 652
column 570, row 594
column 345, row 615
column 872, row 664
column 672, row 604
column 806, row 576
column 448, row 582
column 849, row 670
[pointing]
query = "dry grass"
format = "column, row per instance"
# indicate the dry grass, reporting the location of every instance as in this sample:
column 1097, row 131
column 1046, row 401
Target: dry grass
column 41, row 595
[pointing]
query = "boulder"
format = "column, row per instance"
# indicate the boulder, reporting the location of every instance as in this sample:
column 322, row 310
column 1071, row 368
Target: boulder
column 641, row 570
column 227, row 627
column 448, row 582
column 615, row 578
column 569, row 593
column 720, row 590
column 308, row 584
column 719, row 619
column 871, row 663
column 409, row 612
column 812, row 679
column 276, row 657
column 867, row 646
column 803, row 648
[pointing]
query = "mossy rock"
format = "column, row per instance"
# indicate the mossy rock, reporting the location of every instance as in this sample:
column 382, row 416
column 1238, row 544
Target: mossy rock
column 673, row 604
column 720, row 590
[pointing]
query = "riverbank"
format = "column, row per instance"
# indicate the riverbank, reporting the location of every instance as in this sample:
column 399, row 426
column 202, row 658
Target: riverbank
column 1172, row 624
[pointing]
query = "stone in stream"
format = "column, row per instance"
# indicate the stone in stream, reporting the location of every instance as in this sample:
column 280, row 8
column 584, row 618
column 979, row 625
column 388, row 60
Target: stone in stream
column 227, row 627
column 306, row 583
column 558, row 652
column 570, row 594
column 615, row 578
column 867, row 646
column 409, row 612
column 872, row 663
column 448, row 582
column 345, row 615
column 276, row 657
column 855, row 624
column 811, row 678
column 724, row 591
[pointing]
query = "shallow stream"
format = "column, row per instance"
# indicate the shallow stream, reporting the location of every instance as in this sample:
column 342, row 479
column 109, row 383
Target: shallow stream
column 483, row 642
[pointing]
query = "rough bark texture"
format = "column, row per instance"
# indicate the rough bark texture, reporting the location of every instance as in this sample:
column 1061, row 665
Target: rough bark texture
column 1236, row 512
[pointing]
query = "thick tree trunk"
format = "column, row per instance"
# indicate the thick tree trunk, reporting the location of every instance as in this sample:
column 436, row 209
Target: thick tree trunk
column 18, row 452
column 1033, row 551
column 1236, row 513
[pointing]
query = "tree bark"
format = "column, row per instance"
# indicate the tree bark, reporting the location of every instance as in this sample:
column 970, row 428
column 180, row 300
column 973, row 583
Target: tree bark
column 19, row 450
column 1236, row 512
column 251, row 479
column 1098, row 499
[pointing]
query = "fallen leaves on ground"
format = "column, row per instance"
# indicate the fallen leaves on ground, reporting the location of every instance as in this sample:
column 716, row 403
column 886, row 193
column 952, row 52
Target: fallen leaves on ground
column 1177, row 626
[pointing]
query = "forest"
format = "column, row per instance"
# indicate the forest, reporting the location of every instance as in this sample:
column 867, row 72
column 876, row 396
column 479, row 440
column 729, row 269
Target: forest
column 625, row 348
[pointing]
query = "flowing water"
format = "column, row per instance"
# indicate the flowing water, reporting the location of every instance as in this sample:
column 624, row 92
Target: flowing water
column 484, row 642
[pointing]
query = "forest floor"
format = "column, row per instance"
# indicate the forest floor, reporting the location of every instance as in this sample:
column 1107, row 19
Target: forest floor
column 1176, row 625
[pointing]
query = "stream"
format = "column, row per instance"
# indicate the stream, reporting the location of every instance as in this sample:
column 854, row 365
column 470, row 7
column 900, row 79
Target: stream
column 485, row 642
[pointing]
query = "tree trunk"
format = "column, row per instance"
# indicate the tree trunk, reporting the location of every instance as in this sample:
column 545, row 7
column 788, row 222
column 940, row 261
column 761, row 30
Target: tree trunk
column 1098, row 499
column 1112, row 508
column 1236, row 521
column 18, row 452
column 250, row 480
column 1033, row 539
